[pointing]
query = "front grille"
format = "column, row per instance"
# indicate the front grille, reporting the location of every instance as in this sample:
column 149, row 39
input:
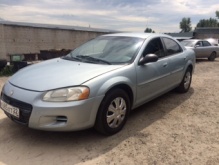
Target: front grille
column 25, row 109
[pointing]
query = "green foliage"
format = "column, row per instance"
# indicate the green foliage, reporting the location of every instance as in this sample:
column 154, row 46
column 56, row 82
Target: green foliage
column 217, row 14
column 149, row 30
column 211, row 22
column 6, row 71
column 185, row 25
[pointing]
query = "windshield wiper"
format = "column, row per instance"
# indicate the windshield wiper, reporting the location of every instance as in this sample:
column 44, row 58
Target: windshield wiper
column 92, row 59
column 71, row 58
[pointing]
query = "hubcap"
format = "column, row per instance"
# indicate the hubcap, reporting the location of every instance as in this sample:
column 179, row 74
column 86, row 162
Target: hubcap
column 213, row 55
column 116, row 112
column 187, row 80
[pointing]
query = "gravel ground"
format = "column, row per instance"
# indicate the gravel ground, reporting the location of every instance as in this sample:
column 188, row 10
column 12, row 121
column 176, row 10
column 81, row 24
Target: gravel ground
column 173, row 129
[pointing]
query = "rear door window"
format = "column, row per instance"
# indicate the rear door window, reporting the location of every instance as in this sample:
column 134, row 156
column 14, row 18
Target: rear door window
column 172, row 47
column 206, row 43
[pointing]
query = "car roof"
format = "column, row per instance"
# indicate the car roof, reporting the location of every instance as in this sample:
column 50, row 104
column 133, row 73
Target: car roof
column 138, row 35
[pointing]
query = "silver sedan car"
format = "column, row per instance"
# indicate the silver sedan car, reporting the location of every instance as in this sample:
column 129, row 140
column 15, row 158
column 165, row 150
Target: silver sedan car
column 98, row 83
column 202, row 48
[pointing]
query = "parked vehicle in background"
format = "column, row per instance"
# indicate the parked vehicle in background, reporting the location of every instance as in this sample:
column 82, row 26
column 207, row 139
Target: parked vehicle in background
column 202, row 48
column 98, row 83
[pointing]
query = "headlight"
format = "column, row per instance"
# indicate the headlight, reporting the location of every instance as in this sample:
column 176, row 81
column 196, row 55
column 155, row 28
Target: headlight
column 67, row 94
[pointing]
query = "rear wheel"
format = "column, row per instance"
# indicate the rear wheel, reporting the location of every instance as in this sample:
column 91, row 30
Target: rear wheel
column 212, row 56
column 186, row 82
column 113, row 112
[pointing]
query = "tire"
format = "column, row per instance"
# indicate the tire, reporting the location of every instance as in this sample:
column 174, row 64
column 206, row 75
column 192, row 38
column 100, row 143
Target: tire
column 113, row 112
column 212, row 56
column 186, row 82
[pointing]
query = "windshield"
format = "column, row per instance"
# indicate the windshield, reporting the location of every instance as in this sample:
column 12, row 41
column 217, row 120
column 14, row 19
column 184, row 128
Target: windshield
column 107, row 50
column 188, row 43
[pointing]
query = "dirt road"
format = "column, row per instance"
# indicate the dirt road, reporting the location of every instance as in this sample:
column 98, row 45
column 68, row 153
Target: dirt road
column 173, row 129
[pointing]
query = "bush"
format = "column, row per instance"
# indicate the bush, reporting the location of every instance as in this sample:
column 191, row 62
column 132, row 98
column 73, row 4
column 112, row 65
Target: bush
column 3, row 63
column 6, row 71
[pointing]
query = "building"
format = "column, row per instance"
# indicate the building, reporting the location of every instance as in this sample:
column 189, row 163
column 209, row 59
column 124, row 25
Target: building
column 210, row 33
column 206, row 32
column 181, row 36
column 18, row 38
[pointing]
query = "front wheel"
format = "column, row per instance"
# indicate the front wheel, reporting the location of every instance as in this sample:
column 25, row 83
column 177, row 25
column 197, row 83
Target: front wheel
column 212, row 56
column 186, row 82
column 113, row 112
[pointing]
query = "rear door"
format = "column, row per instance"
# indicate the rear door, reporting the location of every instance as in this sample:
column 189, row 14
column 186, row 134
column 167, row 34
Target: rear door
column 177, row 61
column 208, row 48
column 201, row 51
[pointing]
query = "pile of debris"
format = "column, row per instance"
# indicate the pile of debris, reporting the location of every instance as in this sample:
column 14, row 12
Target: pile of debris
column 19, row 61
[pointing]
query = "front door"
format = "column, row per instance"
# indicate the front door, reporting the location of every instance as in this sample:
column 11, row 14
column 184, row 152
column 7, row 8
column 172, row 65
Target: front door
column 152, row 78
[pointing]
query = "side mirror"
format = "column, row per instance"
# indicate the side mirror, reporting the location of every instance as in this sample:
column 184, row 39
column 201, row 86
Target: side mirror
column 196, row 46
column 148, row 58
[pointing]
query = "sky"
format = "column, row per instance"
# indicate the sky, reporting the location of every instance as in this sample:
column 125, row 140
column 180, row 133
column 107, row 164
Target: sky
column 121, row 15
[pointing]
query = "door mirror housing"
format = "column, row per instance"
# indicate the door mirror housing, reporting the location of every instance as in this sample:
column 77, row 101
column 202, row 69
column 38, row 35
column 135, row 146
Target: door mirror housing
column 148, row 58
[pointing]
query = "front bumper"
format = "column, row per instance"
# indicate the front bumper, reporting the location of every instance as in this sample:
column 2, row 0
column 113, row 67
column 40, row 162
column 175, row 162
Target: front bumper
column 50, row 116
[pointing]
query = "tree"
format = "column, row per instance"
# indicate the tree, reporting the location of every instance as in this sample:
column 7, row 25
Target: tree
column 149, row 30
column 185, row 25
column 211, row 22
column 217, row 14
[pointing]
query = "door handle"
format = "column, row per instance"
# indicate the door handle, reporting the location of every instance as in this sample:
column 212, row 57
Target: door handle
column 165, row 65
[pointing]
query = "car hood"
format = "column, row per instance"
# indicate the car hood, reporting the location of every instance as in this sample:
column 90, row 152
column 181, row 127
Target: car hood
column 58, row 73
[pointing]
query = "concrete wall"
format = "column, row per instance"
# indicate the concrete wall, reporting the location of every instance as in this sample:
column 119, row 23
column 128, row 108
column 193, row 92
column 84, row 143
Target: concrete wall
column 209, row 35
column 2, row 43
column 24, row 40
column 206, row 32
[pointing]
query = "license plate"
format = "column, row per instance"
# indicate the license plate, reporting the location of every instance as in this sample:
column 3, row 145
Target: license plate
column 10, row 109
